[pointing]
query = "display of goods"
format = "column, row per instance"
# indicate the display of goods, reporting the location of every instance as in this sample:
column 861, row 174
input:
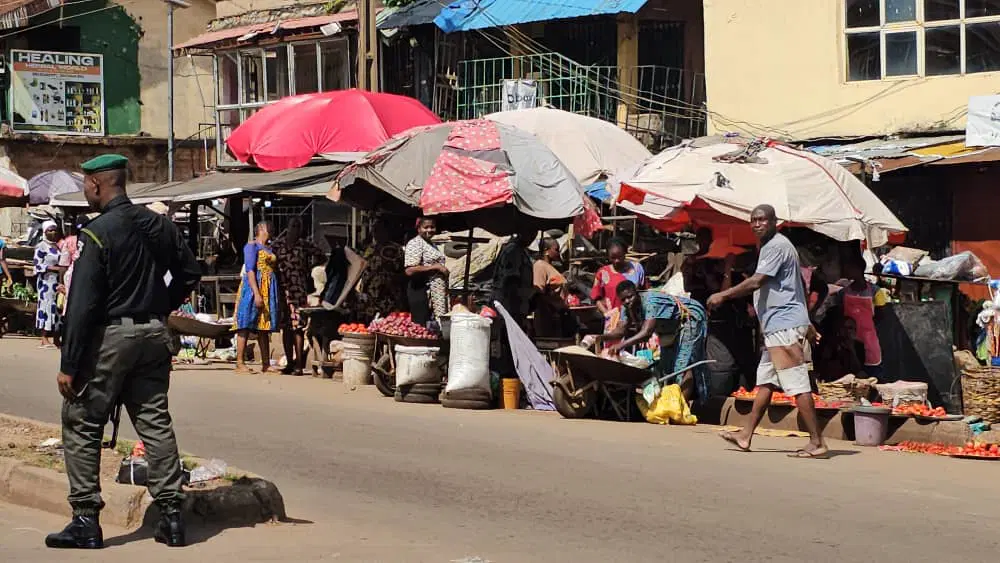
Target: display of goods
column 977, row 450
column 19, row 291
column 970, row 449
column 981, row 393
column 400, row 324
column 352, row 328
column 779, row 398
column 920, row 410
column 184, row 314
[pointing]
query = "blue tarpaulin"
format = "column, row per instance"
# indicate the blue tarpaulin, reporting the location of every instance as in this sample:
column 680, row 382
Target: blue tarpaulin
column 467, row 15
column 598, row 191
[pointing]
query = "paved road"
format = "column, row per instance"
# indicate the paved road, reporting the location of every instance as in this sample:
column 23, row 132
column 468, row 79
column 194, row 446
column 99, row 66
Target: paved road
column 381, row 481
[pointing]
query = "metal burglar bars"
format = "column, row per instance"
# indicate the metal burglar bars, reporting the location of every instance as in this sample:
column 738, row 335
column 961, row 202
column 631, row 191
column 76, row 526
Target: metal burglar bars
column 659, row 105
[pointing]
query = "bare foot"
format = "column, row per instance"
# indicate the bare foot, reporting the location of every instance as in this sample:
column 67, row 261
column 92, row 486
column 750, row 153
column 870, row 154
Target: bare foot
column 244, row 370
column 734, row 439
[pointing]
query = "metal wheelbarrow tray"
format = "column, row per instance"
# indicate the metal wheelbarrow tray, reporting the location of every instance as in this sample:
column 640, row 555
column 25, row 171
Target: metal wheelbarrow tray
column 587, row 384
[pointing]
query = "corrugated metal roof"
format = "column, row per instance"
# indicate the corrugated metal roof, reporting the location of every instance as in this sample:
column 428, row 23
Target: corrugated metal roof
column 15, row 13
column 210, row 38
column 883, row 148
column 420, row 12
column 466, row 15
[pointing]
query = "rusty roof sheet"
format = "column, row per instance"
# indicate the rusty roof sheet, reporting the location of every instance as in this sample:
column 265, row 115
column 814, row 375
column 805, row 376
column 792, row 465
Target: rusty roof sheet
column 254, row 31
column 15, row 13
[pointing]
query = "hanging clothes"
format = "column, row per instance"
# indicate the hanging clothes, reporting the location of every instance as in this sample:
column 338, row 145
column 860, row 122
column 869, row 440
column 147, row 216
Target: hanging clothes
column 859, row 305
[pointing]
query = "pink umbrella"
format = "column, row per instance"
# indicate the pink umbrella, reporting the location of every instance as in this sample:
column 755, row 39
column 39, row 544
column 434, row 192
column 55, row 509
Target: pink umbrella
column 341, row 126
column 13, row 188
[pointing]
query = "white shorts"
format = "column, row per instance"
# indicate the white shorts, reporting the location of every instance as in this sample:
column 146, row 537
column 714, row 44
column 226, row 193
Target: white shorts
column 793, row 381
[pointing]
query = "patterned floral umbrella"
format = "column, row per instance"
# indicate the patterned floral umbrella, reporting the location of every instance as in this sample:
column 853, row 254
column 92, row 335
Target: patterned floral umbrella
column 468, row 166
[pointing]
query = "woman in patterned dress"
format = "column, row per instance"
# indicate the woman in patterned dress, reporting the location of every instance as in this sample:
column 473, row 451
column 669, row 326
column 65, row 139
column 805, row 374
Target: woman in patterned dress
column 296, row 258
column 427, row 287
column 384, row 283
column 69, row 251
column 257, row 301
column 48, row 319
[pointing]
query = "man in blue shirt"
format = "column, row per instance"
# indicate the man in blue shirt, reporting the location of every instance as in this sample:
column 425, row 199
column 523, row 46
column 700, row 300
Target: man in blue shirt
column 780, row 301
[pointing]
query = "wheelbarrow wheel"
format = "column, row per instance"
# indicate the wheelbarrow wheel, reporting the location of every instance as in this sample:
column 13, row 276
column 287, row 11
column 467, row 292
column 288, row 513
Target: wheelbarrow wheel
column 569, row 402
column 385, row 380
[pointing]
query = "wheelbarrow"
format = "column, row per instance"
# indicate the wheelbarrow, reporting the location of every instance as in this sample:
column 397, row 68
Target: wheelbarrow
column 589, row 385
column 384, row 361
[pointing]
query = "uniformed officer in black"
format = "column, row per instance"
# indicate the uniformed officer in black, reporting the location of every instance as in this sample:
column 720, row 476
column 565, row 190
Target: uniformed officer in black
column 133, row 270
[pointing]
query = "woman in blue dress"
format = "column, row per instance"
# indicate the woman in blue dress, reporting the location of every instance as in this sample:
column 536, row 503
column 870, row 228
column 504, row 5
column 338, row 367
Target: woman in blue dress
column 257, row 300
column 48, row 319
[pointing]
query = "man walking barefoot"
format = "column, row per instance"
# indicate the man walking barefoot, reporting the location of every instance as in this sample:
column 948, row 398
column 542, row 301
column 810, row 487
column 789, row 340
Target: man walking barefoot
column 780, row 301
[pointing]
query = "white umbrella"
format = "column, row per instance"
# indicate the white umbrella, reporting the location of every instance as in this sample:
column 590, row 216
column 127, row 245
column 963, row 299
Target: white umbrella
column 590, row 148
column 733, row 175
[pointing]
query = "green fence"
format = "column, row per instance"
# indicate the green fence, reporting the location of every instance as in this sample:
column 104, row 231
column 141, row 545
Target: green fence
column 659, row 105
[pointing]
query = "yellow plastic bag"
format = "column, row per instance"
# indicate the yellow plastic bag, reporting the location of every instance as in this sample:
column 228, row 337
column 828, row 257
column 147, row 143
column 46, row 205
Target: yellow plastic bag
column 669, row 408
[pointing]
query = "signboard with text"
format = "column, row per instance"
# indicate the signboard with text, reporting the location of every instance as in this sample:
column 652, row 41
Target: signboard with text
column 982, row 126
column 519, row 94
column 57, row 93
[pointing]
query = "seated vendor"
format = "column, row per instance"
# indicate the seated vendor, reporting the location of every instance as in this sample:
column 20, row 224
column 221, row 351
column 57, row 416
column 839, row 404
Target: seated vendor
column 552, row 315
column 681, row 325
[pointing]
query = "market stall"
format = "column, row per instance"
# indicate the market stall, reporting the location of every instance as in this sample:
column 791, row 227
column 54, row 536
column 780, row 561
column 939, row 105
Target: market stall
column 469, row 174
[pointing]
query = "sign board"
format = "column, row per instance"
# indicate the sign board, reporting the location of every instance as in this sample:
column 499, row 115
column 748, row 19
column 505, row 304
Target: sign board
column 57, row 93
column 982, row 126
column 519, row 94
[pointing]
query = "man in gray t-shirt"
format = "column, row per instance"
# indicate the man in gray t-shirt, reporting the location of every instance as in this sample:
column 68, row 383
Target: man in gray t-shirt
column 780, row 301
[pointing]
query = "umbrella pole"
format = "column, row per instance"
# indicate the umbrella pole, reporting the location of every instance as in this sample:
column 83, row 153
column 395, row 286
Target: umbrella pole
column 468, row 271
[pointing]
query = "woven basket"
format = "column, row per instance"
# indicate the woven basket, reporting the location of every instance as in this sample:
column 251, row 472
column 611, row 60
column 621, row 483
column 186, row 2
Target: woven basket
column 853, row 391
column 981, row 393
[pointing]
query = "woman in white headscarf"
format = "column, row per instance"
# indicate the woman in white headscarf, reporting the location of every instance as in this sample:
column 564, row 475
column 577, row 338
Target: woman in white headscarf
column 48, row 319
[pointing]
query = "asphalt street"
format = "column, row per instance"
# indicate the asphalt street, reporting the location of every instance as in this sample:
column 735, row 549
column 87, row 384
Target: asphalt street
column 369, row 479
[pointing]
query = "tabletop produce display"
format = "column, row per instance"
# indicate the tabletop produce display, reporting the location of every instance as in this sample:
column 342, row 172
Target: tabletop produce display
column 400, row 324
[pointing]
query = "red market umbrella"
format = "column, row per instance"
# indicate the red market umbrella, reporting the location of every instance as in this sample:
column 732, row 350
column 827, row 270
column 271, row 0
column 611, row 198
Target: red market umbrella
column 13, row 188
column 340, row 125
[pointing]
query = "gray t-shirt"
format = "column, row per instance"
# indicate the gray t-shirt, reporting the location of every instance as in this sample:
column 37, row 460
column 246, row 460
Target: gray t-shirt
column 781, row 301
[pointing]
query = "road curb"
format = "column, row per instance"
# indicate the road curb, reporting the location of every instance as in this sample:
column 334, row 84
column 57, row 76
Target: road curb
column 247, row 500
column 47, row 489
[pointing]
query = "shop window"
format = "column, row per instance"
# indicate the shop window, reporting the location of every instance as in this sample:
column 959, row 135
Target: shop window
column 900, row 38
column 278, row 82
column 306, row 69
column 250, row 78
column 335, row 70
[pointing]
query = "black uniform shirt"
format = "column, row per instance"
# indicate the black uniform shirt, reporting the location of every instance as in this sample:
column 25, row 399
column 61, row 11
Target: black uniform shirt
column 120, row 273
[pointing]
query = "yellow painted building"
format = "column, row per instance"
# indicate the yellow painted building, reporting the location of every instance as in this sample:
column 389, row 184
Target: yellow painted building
column 806, row 69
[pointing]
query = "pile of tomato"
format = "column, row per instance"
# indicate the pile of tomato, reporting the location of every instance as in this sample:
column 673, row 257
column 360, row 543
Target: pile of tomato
column 779, row 398
column 975, row 449
column 352, row 328
column 918, row 409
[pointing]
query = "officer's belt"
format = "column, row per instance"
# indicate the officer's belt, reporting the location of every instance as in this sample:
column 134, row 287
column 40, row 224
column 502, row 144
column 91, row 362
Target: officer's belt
column 135, row 320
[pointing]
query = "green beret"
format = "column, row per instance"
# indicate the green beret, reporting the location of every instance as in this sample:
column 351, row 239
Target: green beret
column 104, row 163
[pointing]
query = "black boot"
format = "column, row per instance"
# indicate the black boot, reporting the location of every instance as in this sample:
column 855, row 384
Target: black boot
column 170, row 530
column 83, row 532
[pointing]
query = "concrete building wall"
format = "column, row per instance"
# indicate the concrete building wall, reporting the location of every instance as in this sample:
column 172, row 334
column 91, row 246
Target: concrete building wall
column 777, row 67
column 193, row 88
column 235, row 7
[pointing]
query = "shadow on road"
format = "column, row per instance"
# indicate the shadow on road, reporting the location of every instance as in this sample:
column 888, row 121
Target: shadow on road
column 207, row 513
column 199, row 530
column 830, row 455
